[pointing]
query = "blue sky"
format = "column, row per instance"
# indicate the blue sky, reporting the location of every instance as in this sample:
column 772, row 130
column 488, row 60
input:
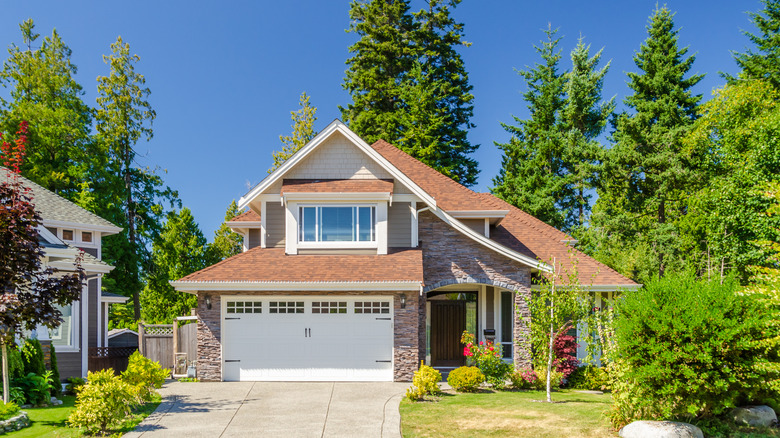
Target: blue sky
column 225, row 75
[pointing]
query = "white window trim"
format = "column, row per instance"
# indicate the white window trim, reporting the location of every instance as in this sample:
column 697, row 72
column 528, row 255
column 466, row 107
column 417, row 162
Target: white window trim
column 337, row 244
column 75, row 328
column 291, row 228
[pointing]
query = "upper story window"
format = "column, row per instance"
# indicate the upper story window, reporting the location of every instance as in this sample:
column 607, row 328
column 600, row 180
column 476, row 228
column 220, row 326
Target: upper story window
column 337, row 224
column 67, row 234
column 86, row 236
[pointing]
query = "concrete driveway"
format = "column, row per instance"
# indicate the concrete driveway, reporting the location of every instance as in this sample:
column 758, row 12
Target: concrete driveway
column 271, row 409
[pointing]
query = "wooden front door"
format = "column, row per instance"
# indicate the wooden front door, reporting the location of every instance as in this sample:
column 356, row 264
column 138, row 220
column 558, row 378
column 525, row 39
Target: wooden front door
column 448, row 320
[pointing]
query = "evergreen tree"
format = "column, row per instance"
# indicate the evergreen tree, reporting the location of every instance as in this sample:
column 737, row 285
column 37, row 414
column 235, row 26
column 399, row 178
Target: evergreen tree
column 303, row 132
column 179, row 250
column 379, row 60
column 765, row 63
column 583, row 118
column 128, row 195
column 227, row 242
column 532, row 175
column 647, row 177
column 405, row 68
column 45, row 93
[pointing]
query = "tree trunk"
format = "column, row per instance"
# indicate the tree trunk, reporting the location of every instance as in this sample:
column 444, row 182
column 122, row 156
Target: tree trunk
column 131, row 237
column 661, row 220
column 6, row 377
column 552, row 338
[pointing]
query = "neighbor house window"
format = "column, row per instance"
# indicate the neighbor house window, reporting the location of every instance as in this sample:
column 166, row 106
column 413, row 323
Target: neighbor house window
column 337, row 224
column 67, row 234
column 86, row 236
column 65, row 334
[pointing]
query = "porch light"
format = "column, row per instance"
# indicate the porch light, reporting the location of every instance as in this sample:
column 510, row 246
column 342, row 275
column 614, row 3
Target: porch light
column 403, row 301
column 208, row 302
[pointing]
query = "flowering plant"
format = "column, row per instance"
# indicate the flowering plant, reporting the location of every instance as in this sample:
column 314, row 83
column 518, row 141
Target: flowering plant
column 488, row 357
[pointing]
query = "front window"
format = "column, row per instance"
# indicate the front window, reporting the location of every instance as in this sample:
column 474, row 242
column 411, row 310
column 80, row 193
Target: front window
column 337, row 224
column 64, row 335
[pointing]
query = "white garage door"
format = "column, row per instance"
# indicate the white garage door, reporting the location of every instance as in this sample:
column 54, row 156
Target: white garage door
column 312, row 338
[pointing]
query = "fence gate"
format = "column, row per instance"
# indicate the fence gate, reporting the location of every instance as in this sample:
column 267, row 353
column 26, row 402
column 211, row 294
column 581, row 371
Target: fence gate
column 185, row 344
column 155, row 341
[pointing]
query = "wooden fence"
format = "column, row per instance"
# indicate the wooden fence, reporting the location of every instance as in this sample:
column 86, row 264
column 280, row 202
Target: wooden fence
column 102, row 358
column 155, row 341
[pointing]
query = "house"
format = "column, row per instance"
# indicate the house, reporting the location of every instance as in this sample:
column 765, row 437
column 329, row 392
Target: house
column 66, row 231
column 360, row 262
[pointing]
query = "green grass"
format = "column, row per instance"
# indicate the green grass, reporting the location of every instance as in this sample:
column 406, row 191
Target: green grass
column 50, row 422
column 515, row 414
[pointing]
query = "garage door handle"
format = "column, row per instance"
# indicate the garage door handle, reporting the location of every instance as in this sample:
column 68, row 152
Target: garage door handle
column 383, row 319
column 231, row 318
column 385, row 361
column 234, row 360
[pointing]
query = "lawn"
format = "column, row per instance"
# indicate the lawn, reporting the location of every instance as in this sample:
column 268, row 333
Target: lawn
column 510, row 413
column 50, row 422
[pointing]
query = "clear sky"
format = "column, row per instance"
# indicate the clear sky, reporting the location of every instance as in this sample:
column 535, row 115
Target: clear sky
column 225, row 75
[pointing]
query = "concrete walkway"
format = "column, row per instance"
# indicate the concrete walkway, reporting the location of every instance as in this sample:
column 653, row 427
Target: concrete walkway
column 276, row 409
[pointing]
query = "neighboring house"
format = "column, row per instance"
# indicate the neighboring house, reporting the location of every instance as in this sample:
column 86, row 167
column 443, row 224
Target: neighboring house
column 122, row 338
column 360, row 262
column 67, row 230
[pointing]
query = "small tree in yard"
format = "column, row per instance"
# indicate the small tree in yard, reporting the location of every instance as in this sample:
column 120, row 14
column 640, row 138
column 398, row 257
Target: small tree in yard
column 29, row 293
column 558, row 302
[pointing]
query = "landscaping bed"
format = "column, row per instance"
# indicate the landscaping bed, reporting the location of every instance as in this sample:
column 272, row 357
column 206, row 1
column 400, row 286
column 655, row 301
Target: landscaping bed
column 508, row 413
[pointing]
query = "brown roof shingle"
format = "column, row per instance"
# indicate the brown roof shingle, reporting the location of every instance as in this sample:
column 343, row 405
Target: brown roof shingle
column 272, row 264
column 518, row 230
column 337, row 186
column 247, row 216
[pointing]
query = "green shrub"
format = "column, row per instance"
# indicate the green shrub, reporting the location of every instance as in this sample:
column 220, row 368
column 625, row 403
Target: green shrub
column 8, row 410
column 692, row 349
column 55, row 374
column 466, row 379
column 589, row 377
column 541, row 378
column 15, row 365
column 32, row 357
column 37, row 389
column 74, row 384
column 523, row 379
column 103, row 403
column 425, row 382
column 144, row 376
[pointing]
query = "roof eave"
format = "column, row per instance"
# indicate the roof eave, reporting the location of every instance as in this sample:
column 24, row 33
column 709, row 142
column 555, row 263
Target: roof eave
column 207, row 286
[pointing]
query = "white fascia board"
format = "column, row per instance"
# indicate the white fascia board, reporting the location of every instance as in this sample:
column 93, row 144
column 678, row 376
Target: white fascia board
column 599, row 287
column 337, row 196
column 492, row 244
column 104, row 229
column 113, row 300
column 244, row 224
column 334, row 126
column 478, row 214
column 205, row 286
column 89, row 268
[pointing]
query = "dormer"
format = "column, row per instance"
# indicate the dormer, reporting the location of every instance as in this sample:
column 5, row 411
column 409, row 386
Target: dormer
column 248, row 224
column 480, row 220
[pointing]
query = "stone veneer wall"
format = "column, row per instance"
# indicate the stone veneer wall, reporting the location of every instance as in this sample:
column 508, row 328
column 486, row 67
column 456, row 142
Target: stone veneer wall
column 449, row 257
column 406, row 357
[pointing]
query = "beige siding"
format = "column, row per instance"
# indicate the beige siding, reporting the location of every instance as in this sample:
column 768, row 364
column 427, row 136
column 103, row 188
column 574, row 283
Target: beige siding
column 93, row 313
column 400, row 225
column 69, row 364
column 274, row 222
column 490, row 317
column 477, row 225
column 254, row 238
column 337, row 158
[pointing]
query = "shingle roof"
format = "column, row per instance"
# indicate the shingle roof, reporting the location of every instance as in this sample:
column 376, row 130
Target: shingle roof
column 247, row 216
column 518, row 230
column 337, row 186
column 272, row 265
column 54, row 207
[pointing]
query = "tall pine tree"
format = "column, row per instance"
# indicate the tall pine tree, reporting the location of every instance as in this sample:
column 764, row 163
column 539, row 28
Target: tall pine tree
column 129, row 196
column 646, row 173
column 409, row 85
column 44, row 92
column 583, row 118
column 533, row 175
column 303, row 132
column 765, row 62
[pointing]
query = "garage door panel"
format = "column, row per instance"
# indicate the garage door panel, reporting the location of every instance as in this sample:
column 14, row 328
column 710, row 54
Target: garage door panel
column 308, row 339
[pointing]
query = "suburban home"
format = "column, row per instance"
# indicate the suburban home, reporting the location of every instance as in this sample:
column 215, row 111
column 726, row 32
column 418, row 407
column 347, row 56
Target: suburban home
column 67, row 230
column 360, row 262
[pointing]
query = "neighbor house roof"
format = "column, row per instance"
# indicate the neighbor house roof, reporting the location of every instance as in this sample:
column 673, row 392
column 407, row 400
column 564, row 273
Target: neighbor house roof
column 272, row 265
column 54, row 208
column 518, row 230
column 337, row 186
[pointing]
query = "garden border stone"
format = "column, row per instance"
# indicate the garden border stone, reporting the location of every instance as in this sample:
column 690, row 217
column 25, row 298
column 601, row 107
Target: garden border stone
column 754, row 416
column 15, row 423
